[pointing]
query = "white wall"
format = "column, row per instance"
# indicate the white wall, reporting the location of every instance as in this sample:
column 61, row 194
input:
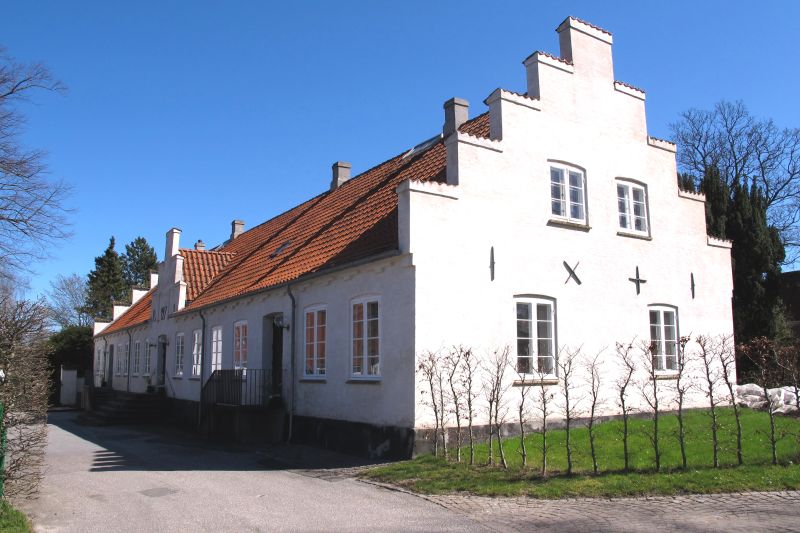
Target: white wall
column 502, row 200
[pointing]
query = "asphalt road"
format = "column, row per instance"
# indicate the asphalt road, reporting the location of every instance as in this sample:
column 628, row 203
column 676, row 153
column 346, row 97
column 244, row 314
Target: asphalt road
column 129, row 479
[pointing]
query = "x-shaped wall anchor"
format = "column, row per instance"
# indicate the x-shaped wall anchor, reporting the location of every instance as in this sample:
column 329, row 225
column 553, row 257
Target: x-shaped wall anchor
column 572, row 274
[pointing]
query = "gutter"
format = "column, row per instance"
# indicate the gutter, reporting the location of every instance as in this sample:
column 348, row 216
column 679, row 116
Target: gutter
column 292, row 333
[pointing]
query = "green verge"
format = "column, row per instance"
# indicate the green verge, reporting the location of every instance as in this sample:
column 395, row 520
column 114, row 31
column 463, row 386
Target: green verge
column 13, row 521
column 431, row 475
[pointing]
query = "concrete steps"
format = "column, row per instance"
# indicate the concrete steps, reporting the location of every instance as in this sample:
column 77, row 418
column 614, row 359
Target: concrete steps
column 118, row 408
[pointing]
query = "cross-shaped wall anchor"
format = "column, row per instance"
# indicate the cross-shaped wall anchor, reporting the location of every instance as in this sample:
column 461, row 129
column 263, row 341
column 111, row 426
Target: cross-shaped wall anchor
column 571, row 272
column 638, row 281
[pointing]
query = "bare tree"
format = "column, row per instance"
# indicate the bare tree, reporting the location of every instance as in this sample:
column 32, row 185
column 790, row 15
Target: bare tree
column 24, row 393
column 429, row 371
column 682, row 387
column 523, row 385
column 498, row 366
column 470, row 366
column 32, row 215
column 444, row 400
column 593, row 381
column 67, row 301
column 727, row 358
column 746, row 151
column 627, row 362
column 544, row 405
column 452, row 366
column 707, row 354
column 651, row 394
column 762, row 352
column 790, row 365
column 567, row 365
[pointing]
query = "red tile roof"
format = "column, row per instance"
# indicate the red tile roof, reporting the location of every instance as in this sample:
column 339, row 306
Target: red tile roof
column 139, row 313
column 356, row 221
column 199, row 268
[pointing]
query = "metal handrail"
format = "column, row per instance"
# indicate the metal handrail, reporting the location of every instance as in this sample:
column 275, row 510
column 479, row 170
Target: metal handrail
column 236, row 387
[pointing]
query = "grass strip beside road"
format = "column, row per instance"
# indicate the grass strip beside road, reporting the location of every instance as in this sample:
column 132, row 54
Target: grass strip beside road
column 11, row 520
column 428, row 474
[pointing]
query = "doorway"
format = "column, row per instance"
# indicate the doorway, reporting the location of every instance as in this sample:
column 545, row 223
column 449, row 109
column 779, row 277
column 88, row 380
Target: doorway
column 110, row 368
column 272, row 352
column 161, row 363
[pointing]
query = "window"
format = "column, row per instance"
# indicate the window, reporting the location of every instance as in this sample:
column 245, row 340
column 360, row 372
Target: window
column 632, row 206
column 567, row 195
column 664, row 337
column 216, row 348
column 366, row 338
column 179, row 354
column 98, row 363
column 126, row 361
column 197, row 352
column 240, row 344
column 536, row 337
column 316, row 320
column 137, row 354
column 148, row 353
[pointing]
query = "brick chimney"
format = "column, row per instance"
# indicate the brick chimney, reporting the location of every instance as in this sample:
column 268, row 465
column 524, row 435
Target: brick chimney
column 456, row 112
column 173, row 243
column 237, row 228
column 341, row 173
column 200, row 246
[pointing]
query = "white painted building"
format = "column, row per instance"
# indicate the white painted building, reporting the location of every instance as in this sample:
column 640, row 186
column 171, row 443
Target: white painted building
column 552, row 220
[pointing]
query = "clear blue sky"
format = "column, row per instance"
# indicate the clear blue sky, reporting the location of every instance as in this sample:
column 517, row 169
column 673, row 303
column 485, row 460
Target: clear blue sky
column 191, row 114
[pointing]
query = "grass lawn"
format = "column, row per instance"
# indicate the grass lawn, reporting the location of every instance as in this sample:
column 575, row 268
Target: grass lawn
column 428, row 474
column 11, row 520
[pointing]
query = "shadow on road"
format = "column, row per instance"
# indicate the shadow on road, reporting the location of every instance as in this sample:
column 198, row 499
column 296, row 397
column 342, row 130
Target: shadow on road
column 160, row 448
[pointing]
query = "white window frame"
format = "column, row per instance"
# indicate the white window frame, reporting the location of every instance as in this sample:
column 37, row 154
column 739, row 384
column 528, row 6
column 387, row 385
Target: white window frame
column 315, row 349
column 216, row 348
column 180, row 350
column 137, row 355
column 661, row 343
column 147, row 356
column 533, row 339
column 626, row 207
column 197, row 353
column 561, row 193
column 240, row 334
column 366, row 372
column 127, row 361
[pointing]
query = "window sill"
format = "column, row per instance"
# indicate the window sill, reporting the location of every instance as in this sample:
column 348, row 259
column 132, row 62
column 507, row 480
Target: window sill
column 535, row 382
column 313, row 379
column 635, row 235
column 666, row 375
column 195, row 378
column 567, row 224
column 365, row 381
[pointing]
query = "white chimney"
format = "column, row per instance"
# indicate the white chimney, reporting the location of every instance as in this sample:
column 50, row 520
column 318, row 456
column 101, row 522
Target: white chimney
column 341, row 173
column 237, row 228
column 200, row 246
column 173, row 242
column 456, row 112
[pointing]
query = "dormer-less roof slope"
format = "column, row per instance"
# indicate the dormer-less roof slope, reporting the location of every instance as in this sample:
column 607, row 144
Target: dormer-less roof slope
column 352, row 222
column 199, row 268
column 139, row 313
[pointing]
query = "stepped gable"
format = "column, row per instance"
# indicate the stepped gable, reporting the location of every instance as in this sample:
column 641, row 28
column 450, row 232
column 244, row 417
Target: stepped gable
column 139, row 313
column 200, row 268
column 352, row 222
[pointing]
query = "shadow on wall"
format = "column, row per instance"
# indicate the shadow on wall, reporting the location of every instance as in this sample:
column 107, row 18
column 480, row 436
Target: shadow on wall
column 155, row 448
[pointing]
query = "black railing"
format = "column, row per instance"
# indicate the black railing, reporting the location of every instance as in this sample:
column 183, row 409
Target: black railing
column 240, row 387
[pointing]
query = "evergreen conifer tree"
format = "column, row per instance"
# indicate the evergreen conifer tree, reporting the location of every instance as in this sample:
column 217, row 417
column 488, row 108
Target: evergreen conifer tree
column 138, row 260
column 106, row 283
column 718, row 198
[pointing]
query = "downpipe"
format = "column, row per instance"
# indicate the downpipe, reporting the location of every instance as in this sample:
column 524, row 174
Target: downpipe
column 292, row 360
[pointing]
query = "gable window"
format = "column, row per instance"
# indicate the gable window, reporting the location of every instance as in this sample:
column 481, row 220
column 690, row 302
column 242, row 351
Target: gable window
column 664, row 337
column 137, row 353
column 147, row 356
column 240, row 344
column 632, row 207
column 179, row 351
column 316, row 324
column 366, row 337
column 197, row 352
column 567, row 193
column 216, row 348
column 536, row 337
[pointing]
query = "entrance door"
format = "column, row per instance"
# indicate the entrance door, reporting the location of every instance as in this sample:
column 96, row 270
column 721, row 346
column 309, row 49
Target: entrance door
column 277, row 360
column 161, row 364
column 110, row 368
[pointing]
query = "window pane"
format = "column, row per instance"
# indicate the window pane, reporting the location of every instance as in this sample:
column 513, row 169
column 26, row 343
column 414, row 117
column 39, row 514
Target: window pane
column 358, row 330
column 545, row 365
column 543, row 312
column 524, row 365
column 372, row 328
column 372, row 310
column 372, row 346
column 524, row 328
column 358, row 311
column 524, row 311
column 523, row 347
column 321, row 334
column 545, row 347
column 544, row 330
